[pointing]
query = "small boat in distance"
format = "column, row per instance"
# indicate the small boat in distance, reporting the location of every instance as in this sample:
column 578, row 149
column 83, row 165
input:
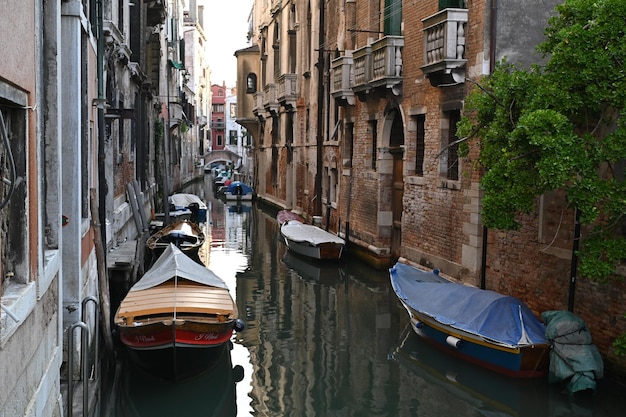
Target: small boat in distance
column 495, row 331
column 187, row 236
column 308, row 240
column 237, row 190
column 178, row 318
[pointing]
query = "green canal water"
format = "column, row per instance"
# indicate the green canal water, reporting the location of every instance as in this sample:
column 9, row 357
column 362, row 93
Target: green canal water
column 326, row 340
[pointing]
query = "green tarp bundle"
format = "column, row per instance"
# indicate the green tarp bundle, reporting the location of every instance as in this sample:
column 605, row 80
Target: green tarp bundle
column 573, row 356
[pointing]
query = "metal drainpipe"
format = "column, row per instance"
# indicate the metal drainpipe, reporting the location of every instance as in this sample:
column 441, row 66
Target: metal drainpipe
column 492, row 65
column 320, row 112
column 102, row 183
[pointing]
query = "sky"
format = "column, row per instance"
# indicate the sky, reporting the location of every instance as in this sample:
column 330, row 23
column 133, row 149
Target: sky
column 226, row 27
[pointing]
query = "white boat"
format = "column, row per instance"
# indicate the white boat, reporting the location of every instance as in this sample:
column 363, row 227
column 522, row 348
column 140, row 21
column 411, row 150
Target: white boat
column 309, row 240
column 191, row 202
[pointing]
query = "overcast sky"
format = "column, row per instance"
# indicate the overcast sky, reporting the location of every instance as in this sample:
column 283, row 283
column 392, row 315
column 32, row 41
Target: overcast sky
column 226, row 28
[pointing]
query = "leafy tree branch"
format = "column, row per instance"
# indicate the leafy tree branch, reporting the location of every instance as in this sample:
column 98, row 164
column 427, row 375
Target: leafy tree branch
column 560, row 126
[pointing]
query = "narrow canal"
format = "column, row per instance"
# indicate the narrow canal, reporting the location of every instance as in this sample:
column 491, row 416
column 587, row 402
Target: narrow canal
column 324, row 340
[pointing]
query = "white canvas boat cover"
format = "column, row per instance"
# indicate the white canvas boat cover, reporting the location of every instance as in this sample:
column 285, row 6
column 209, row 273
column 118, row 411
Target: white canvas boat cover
column 184, row 200
column 174, row 263
column 300, row 232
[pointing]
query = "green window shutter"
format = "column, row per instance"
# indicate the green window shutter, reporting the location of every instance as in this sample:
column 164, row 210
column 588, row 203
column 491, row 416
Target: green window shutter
column 393, row 17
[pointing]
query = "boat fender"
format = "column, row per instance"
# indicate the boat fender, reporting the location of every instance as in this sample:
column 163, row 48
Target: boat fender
column 239, row 325
column 454, row 341
column 451, row 376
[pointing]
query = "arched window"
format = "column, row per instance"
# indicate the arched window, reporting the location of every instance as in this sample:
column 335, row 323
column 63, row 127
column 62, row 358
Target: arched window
column 251, row 83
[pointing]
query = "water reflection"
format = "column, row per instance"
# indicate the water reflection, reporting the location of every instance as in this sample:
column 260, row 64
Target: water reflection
column 210, row 394
column 488, row 393
column 330, row 340
column 317, row 333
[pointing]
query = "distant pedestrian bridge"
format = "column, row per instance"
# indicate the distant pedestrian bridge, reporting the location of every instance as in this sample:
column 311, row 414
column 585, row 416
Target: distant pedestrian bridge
column 220, row 156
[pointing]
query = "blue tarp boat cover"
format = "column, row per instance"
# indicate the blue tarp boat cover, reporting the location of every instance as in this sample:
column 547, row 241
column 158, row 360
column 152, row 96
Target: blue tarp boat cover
column 496, row 317
column 573, row 356
column 233, row 188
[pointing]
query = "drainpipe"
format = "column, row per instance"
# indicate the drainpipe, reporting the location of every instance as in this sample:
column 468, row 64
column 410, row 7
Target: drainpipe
column 327, row 105
column 102, row 183
column 320, row 112
column 492, row 65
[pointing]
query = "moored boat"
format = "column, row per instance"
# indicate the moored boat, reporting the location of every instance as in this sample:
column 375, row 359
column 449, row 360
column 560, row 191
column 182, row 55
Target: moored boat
column 178, row 317
column 309, row 240
column 191, row 202
column 186, row 235
column 238, row 190
column 495, row 331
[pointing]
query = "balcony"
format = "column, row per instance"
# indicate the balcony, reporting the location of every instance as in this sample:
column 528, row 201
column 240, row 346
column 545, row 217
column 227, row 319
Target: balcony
column 444, row 47
column 258, row 110
column 270, row 102
column 156, row 12
column 288, row 90
column 276, row 6
column 379, row 65
column 341, row 73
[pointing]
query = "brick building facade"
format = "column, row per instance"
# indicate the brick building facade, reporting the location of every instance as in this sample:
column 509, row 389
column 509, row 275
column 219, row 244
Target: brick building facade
column 357, row 124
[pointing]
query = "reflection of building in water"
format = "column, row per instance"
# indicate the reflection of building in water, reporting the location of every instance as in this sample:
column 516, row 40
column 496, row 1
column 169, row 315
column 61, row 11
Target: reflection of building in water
column 217, row 223
column 228, row 228
column 308, row 341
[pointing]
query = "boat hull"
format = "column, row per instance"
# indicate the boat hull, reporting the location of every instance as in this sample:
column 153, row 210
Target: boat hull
column 169, row 333
column 178, row 363
column 308, row 240
column 322, row 251
column 238, row 197
column 529, row 361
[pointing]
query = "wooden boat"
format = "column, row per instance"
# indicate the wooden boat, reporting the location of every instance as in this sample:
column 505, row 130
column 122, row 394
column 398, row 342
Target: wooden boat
column 239, row 191
column 178, row 317
column 495, row 331
column 308, row 240
column 186, row 235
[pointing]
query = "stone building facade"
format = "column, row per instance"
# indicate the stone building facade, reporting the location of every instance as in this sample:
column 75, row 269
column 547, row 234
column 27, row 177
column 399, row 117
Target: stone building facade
column 86, row 122
column 356, row 104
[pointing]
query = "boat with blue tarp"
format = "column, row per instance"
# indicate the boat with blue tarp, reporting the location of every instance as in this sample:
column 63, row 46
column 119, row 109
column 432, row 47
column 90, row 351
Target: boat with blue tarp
column 496, row 331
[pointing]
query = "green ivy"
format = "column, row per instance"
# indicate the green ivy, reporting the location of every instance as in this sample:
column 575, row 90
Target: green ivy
column 560, row 126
